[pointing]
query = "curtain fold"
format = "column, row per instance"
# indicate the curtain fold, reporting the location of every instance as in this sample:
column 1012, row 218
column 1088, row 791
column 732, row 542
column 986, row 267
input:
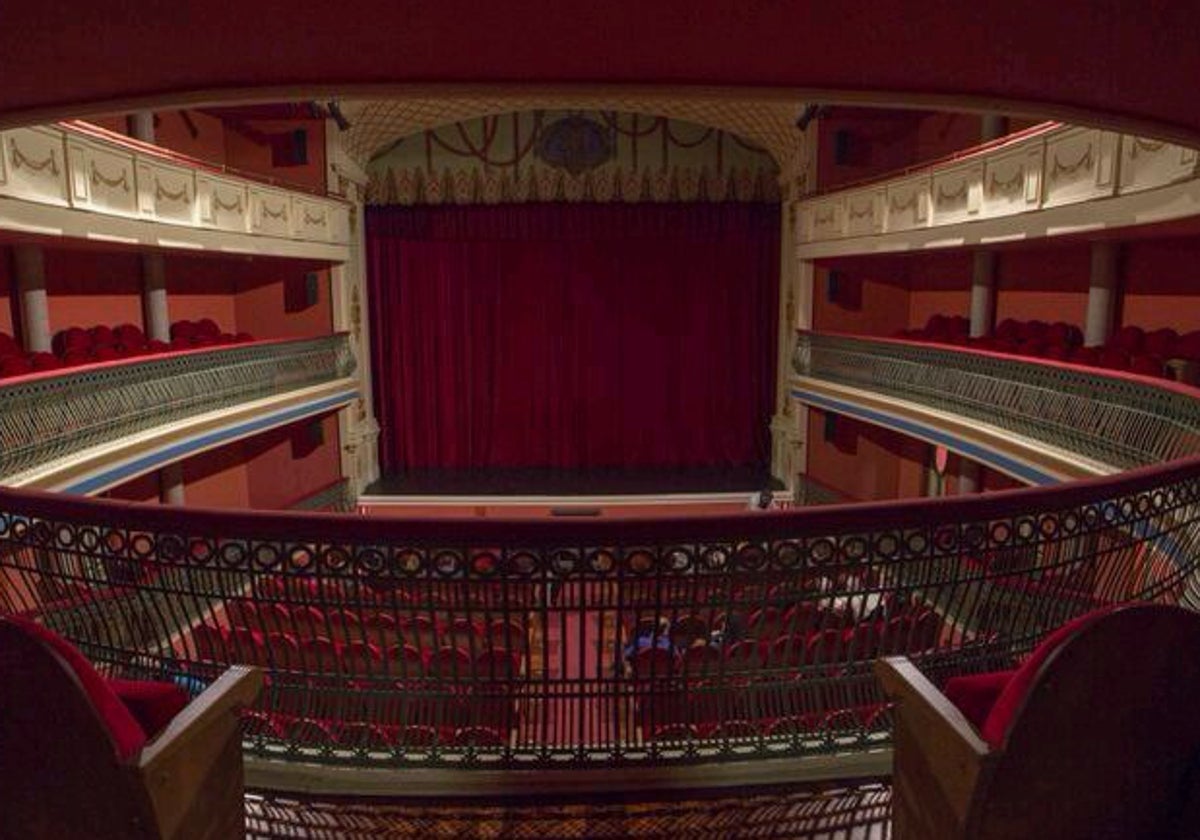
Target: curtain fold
column 573, row 336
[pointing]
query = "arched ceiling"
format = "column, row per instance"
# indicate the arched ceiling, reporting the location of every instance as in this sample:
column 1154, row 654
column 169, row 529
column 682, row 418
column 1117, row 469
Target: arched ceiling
column 376, row 124
column 1125, row 64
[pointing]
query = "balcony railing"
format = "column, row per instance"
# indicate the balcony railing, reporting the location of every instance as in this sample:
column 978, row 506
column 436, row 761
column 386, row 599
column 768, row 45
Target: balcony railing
column 49, row 416
column 515, row 644
column 1114, row 418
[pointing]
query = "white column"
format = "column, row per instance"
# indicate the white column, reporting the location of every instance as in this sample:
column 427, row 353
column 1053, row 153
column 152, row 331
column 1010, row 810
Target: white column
column 983, row 293
column 142, row 125
column 1102, row 294
column 156, row 315
column 992, row 126
column 30, row 268
column 170, row 484
column 970, row 478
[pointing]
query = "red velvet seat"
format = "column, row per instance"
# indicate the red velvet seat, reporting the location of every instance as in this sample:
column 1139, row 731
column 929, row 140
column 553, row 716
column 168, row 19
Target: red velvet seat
column 85, row 756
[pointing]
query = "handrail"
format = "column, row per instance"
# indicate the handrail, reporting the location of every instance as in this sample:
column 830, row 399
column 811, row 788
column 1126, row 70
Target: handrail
column 51, row 414
column 1114, row 417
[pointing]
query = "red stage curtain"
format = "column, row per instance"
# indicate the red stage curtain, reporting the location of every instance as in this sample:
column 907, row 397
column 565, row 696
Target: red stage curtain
column 573, row 336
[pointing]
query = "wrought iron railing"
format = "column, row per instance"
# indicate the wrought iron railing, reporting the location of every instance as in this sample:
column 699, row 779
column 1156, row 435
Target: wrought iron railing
column 49, row 416
column 1113, row 418
column 484, row 643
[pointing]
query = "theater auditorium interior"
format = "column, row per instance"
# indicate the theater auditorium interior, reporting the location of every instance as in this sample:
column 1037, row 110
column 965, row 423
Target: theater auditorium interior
column 627, row 420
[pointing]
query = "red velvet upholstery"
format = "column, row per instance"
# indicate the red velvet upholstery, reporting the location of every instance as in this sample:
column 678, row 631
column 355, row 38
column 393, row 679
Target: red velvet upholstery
column 999, row 718
column 127, row 735
column 976, row 694
column 153, row 704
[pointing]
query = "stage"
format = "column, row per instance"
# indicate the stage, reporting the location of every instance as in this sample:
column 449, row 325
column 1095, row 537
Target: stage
column 548, row 492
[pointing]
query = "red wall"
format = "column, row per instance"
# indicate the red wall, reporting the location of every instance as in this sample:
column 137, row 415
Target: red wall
column 142, row 489
column 1161, row 284
column 865, row 462
column 1046, row 283
column 9, row 312
column 216, row 478
column 85, row 288
column 243, row 152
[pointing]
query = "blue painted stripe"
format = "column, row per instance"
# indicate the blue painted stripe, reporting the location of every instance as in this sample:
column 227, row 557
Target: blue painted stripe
column 174, row 452
column 983, row 454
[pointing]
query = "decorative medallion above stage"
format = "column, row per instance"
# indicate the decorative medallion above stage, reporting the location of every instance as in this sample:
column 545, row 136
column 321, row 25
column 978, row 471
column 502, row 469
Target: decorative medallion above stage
column 574, row 156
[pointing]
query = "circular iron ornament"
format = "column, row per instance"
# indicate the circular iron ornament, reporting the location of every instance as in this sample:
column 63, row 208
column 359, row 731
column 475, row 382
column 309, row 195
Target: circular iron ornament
column 887, row 546
column 789, row 555
column 114, row 542
column 447, row 563
column 640, row 562
column 408, row 561
column 1048, row 526
column 1127, row 508
column 484, row 563
column 714, row 558
column 142, row 546
column 602, row 561
column 945, row 539
column 856, row 549
column 822, row 551
column 916, row 544
column 200, row 552
column 679, row 558
column 41, row 533
column 564, row 561
column 301, row 558
column 751, row 557
column 1026, row 530
column 524, row 563
column 335, row 558
column 20, row 529
column 1109, row 512
column 171, row 547
column 1069, row 522
column 371, row 560
column 234, row 554
column 974, row 536
column 66, row 536
column 267, row 556
column 88, row 540
column 1091, row 517
column 1001, row 533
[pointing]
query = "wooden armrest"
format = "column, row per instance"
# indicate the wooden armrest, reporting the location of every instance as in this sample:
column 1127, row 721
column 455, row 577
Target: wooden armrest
column 238, row 687
column 922, row 700
column 941, row 763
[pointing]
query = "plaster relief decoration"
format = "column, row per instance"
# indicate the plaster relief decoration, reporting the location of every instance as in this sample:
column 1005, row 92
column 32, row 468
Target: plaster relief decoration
column 571, row 156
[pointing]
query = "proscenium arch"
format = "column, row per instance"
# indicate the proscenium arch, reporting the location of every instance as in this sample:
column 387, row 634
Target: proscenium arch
column 1104, row 64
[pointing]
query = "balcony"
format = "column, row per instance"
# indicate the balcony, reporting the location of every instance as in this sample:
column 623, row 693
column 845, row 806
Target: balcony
column 77, row 180
column 1038, row 421
column 611, row 648
column 88, row 428
column 1026, row 186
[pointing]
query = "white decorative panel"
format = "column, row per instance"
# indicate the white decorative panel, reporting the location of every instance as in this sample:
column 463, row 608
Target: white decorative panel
column 827, row 219
column 864, row 212
column 339, row 225
column 908, row 203
column 311, row 218
column 102, row 177
column 270, row 211
column 166, row 192
column 222, row 203
column 1079, row 166
column 1146, row 164
column 1012, row 181
column 957, row 193
column 37, row 165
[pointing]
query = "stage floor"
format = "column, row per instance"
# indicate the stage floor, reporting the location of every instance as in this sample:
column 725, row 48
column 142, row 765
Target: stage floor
column 567, row 483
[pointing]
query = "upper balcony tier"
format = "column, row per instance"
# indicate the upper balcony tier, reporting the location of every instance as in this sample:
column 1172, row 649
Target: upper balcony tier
column 72, row 179
column 1029, row 185
column 87, row 428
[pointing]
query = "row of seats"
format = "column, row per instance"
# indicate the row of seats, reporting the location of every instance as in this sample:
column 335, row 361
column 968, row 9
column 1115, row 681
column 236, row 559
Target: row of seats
column 317, row 732
column 792, row 649
column 320, row 654
column 77, row 346
column 876, row 715
column 1130, row 349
